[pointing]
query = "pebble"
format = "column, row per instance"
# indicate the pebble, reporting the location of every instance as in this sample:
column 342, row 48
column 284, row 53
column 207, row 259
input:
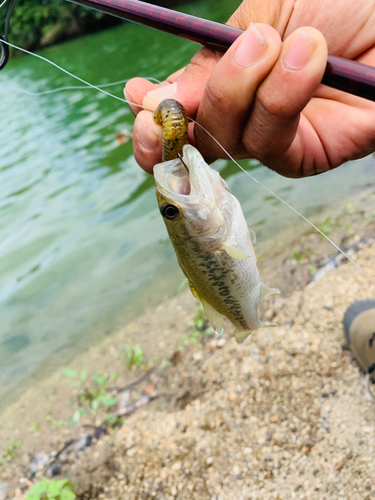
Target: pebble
column 250, row 421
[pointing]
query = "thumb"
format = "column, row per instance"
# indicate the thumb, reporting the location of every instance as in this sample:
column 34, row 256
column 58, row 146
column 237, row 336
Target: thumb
column 189, row 85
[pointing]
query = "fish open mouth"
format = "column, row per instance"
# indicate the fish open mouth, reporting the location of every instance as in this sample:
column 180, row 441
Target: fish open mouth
column 173, row 179
column 185, row 180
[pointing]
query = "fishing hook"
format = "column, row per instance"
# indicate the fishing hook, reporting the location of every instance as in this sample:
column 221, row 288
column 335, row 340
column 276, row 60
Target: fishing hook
column 4, row 47
column 182, row 161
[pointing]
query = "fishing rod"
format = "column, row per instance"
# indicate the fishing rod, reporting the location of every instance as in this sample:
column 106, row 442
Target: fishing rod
column 342, row 74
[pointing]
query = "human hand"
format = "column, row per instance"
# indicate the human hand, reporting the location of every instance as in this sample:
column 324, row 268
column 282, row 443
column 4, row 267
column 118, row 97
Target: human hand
column 274, row 109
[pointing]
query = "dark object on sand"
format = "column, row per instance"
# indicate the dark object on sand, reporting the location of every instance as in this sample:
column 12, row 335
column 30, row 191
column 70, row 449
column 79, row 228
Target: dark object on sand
column 359, row 327
column 342, row 74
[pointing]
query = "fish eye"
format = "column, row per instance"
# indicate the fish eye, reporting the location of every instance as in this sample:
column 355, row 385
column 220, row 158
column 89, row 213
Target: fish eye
column 169, row 212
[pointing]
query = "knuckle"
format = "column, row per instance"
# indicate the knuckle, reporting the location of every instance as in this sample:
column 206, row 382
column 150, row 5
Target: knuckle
column 217, row 100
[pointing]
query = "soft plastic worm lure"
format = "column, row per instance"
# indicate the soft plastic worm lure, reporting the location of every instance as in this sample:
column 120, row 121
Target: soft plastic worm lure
column 174, row 120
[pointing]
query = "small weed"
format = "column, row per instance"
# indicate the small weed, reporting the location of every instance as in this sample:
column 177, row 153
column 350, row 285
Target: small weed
column 12, row 450
column 199, row 326
column 304, row 254
column 81, row 378
column 91, row 398
column 35, row 426
column 52, row 490
column 54, row 423
column 134, row 356
column 113, row 419
column 326, row 227
column 312, row 269
column 297, row 255
column 350, row 208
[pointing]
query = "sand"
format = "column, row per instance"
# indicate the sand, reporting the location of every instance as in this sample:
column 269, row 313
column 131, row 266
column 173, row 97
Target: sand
column 284, row 415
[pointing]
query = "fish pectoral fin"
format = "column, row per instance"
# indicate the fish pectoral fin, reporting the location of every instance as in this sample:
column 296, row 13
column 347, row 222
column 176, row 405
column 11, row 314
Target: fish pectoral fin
column 266, row 291
column 233, row 251
column 193, row 290
column 253, row 236
column 214, row 317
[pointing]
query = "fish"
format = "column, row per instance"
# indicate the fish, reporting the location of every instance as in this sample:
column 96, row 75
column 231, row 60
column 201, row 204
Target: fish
column 212, row 241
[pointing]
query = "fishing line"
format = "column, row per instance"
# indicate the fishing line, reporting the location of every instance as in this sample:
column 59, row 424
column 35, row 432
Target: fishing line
column 71, row 74
column 358, row 267
column 87, row 84
column 80, row 87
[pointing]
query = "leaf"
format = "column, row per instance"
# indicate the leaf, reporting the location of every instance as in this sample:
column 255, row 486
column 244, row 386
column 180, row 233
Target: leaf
column 69, row 373
column 67, row 494
column 38, row 488
column 84, row 375
column 95, row 404
column 76, row 383
column 108, row 401
column 75, row 418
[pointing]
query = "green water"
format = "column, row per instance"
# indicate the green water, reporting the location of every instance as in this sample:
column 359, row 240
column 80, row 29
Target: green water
column 83, row 249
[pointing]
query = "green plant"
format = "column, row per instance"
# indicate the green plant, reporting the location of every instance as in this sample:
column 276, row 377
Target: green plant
column 52, row 490
column 113, row 419
column 82, row 377
column 53, row 422
column 326, row 227
column 11, row 451
column 35, row 426
column 134, row 356
column 199, row 325
column 91, row 398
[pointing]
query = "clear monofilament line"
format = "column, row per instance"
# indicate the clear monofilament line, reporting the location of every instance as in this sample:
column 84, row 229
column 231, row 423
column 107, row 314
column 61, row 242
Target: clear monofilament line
column 87, row 84
column 358, row 267
column 80, row 87
column 72, row 75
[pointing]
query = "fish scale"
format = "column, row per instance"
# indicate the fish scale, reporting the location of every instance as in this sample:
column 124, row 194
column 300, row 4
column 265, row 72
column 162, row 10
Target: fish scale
column 212, row 241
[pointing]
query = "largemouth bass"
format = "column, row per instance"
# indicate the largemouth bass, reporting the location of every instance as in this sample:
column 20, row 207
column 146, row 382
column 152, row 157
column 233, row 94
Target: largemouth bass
column 213, row 243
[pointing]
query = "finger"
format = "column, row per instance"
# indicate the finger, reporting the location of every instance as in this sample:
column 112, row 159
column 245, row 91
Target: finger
column 188, row 85
column 274, row 134
column 147, row 141
column 187, row 88
column 231, row 89
column 135, row 90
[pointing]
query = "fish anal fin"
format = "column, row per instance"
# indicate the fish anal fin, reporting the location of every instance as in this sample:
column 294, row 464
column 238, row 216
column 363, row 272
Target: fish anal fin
column 233, row 251
column 241, row 335
column 214, row 317
column 266, row 291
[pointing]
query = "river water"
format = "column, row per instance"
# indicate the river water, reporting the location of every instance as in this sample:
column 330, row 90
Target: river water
column 83, row 249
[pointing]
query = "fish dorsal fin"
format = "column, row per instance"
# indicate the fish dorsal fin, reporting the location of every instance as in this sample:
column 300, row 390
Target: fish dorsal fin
column 253, row 236
column 233, row 251
column 266, row 291
column 214, row 317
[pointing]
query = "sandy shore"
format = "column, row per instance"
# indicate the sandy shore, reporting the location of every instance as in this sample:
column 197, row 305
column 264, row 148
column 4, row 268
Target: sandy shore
column 285, row 415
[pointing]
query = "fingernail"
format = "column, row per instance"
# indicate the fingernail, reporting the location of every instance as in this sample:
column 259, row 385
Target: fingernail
column 251, row 48
column 300, row 50
column 163, row 92
column 147, row 137
column 133, row 109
